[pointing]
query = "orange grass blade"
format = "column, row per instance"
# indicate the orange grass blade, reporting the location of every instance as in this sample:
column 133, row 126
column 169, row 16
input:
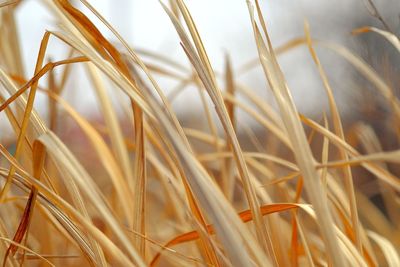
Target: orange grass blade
column 38, row 159
column 102, row 45
column 34, row 80
column 246, row 216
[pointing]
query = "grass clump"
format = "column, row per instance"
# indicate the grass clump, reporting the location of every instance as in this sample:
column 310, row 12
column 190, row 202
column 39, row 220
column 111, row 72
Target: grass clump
column 147, row 191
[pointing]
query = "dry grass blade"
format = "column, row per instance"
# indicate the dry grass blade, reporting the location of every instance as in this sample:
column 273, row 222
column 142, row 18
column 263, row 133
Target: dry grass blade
column 27, row 113
column 69, row 163
column 26, row 249
column 210, row 198
column 298, row 140
column 387, row 156
column 393, row 39
column 58, row 207
column 226, row 165
column 134, row 57
column 104, row 153
column 368, row 73
column 339, row 132
column 23, row 228
column 279, row 133
column 199, row 60
column 372, row 145
column 48, row 67
column 391, row 255
column 111, row 54
column 9, row 31
column 369, row 4
column 8, row 3
column 373, row 168
column 116, row 136
column 246, row 216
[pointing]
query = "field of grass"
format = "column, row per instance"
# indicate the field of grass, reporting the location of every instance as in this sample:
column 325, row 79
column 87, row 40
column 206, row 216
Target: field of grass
column 137, row 188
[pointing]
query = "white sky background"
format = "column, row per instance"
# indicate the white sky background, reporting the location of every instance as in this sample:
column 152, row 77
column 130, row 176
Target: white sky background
column 224, row 26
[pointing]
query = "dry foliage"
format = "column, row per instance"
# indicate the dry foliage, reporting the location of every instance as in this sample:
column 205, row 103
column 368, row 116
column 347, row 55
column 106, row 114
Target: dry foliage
column 160, row 194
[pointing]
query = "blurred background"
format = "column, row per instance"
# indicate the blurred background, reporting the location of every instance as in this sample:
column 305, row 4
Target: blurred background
column 226, row 30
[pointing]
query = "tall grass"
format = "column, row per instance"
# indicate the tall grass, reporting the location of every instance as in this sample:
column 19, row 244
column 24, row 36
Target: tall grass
column 160, row 194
